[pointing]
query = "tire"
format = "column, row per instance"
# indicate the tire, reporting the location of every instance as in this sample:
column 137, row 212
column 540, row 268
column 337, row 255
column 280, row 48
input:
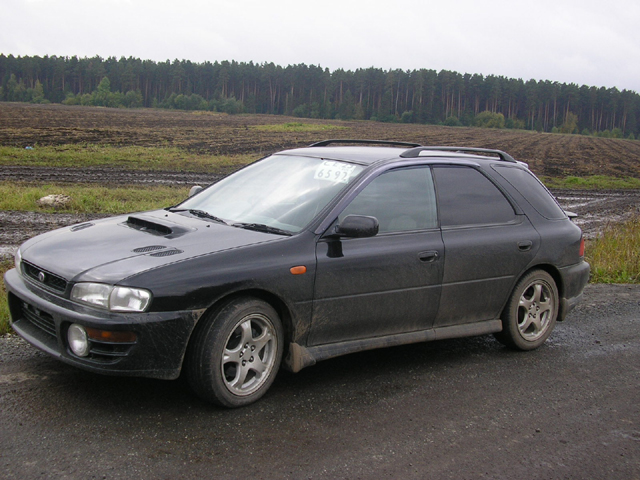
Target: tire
column 531, row 312
column 236, row 353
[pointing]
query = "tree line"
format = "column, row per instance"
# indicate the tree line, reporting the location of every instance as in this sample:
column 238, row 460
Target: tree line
column 412, row 96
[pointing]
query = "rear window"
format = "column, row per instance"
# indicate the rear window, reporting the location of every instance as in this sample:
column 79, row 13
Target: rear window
column 532, row 190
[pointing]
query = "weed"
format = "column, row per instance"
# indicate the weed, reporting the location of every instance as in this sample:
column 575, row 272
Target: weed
column 90, row 198
column 593, row 182
column 614, row 255
column 4, row 306
column 128, row 158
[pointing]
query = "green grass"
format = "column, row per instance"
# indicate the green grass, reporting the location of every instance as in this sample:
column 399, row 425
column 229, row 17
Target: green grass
column 90, row 198
column 594, row 182
column 298, row 127
column 4, row 306
column 128, row 158
column 615, row 255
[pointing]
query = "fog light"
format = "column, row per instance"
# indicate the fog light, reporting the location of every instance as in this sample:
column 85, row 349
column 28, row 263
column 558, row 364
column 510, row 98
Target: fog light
column 78, row 341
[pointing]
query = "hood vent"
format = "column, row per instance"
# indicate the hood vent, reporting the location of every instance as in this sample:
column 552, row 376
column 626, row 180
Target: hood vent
column 148, row 249
column 82, row 226
column 166, row 253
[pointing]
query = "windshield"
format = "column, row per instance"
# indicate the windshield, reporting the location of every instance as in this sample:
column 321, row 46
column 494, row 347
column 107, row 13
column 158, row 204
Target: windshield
column 283, row 192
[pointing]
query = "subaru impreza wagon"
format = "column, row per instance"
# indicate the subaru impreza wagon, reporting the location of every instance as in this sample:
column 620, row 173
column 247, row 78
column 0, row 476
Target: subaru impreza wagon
column 305, row 255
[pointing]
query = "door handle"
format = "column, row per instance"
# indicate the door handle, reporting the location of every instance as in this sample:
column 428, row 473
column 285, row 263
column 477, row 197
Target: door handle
column 428, row 257
column 525, row 246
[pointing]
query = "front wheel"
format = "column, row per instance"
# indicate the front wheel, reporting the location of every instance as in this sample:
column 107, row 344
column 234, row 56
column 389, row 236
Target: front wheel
column 531, row 312
column 236, row 353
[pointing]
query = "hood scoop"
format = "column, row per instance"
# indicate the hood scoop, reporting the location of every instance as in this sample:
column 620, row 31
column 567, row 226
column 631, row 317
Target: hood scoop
column 157, row 227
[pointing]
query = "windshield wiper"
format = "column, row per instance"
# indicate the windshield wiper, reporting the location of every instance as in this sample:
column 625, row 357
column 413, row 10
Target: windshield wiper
column 261, row 227
column 198, row 213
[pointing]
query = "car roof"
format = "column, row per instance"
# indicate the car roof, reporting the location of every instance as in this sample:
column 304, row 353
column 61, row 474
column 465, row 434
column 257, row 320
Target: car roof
column 368, row 155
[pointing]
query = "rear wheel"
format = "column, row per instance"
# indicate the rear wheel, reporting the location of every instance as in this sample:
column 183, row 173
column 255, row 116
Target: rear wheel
column 530, row 315
column 236, row 354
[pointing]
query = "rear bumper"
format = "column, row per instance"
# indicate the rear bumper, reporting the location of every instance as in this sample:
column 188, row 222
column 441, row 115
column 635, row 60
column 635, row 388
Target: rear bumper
column 42, row 319
column 574, row 279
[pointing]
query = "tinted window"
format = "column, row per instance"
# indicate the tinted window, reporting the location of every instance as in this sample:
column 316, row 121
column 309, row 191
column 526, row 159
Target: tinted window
column 531, row 188
column 401, row 200
column 467, row 197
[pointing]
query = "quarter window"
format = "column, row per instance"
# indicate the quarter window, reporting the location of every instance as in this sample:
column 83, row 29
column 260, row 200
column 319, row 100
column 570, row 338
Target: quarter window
column 531, row 188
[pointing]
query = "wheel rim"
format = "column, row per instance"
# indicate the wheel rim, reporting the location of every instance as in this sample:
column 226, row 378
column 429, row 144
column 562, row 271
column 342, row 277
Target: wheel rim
column 535, row 311
column 249, row 355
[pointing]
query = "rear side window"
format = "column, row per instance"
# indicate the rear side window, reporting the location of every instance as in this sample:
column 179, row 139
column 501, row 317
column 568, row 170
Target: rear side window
column 532, row 190
column 467, row 197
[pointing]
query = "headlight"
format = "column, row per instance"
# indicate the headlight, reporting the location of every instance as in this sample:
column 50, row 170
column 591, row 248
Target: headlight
column 126, row 299
column 116, row 299
column 17, row 258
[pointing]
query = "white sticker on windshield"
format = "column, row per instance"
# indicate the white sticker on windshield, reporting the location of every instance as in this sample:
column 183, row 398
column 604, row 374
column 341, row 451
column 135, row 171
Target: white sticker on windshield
column 336, row 172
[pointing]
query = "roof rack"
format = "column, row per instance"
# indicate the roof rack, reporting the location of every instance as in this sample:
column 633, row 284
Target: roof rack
column 415, row 152
column 324, row 143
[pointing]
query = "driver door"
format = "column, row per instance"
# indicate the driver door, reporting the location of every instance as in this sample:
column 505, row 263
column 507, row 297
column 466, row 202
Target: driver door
column 389, row 283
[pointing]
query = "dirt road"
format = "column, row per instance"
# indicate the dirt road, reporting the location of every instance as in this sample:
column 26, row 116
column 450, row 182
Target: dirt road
column 458, row 409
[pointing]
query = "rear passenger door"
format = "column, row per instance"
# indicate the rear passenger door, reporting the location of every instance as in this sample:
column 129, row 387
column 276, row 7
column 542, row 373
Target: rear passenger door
column 488, row 244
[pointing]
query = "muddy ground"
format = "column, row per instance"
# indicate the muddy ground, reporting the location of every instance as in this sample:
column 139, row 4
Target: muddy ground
column 448, row 410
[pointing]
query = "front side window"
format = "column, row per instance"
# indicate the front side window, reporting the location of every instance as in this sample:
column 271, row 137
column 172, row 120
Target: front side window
column 401, row 200
column 282, row 191
column 467, row 197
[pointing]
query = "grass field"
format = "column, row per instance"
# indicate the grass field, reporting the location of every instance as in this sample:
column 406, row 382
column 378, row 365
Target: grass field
column 90, row 198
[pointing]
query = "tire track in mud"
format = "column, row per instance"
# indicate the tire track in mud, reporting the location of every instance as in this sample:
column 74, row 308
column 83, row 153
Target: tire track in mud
column 104, row 176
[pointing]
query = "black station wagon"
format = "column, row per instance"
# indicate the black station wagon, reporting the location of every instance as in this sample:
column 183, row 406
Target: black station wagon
column 305, row 255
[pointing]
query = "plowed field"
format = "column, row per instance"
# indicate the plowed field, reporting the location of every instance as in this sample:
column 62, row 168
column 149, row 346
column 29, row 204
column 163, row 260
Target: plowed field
column 546, row 154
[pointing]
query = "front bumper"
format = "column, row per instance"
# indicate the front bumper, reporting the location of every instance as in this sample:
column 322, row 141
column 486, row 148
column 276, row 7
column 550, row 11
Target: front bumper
column 42, row 319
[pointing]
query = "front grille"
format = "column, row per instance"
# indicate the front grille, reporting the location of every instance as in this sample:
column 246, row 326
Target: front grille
column 42, row 277
column 39, row 319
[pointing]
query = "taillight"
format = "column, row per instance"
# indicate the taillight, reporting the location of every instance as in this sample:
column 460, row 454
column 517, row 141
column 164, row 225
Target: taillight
column 582, row 246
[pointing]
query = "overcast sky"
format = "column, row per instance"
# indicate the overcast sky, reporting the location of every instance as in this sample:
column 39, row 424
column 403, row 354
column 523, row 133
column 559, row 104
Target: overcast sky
column 586, row 42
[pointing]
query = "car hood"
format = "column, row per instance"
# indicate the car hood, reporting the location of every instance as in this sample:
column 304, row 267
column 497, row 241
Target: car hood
column 113, row 249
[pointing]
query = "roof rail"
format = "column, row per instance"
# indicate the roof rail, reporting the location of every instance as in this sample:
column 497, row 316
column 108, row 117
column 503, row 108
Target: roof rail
column 324, row 143
column 415, row 152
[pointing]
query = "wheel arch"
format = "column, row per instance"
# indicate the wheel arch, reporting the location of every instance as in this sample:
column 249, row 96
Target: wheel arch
column 279, row 305
column 555, row 275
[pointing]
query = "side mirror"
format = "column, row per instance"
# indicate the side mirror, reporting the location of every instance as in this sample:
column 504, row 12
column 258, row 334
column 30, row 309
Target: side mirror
column 358, row 226
column 194, row 190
